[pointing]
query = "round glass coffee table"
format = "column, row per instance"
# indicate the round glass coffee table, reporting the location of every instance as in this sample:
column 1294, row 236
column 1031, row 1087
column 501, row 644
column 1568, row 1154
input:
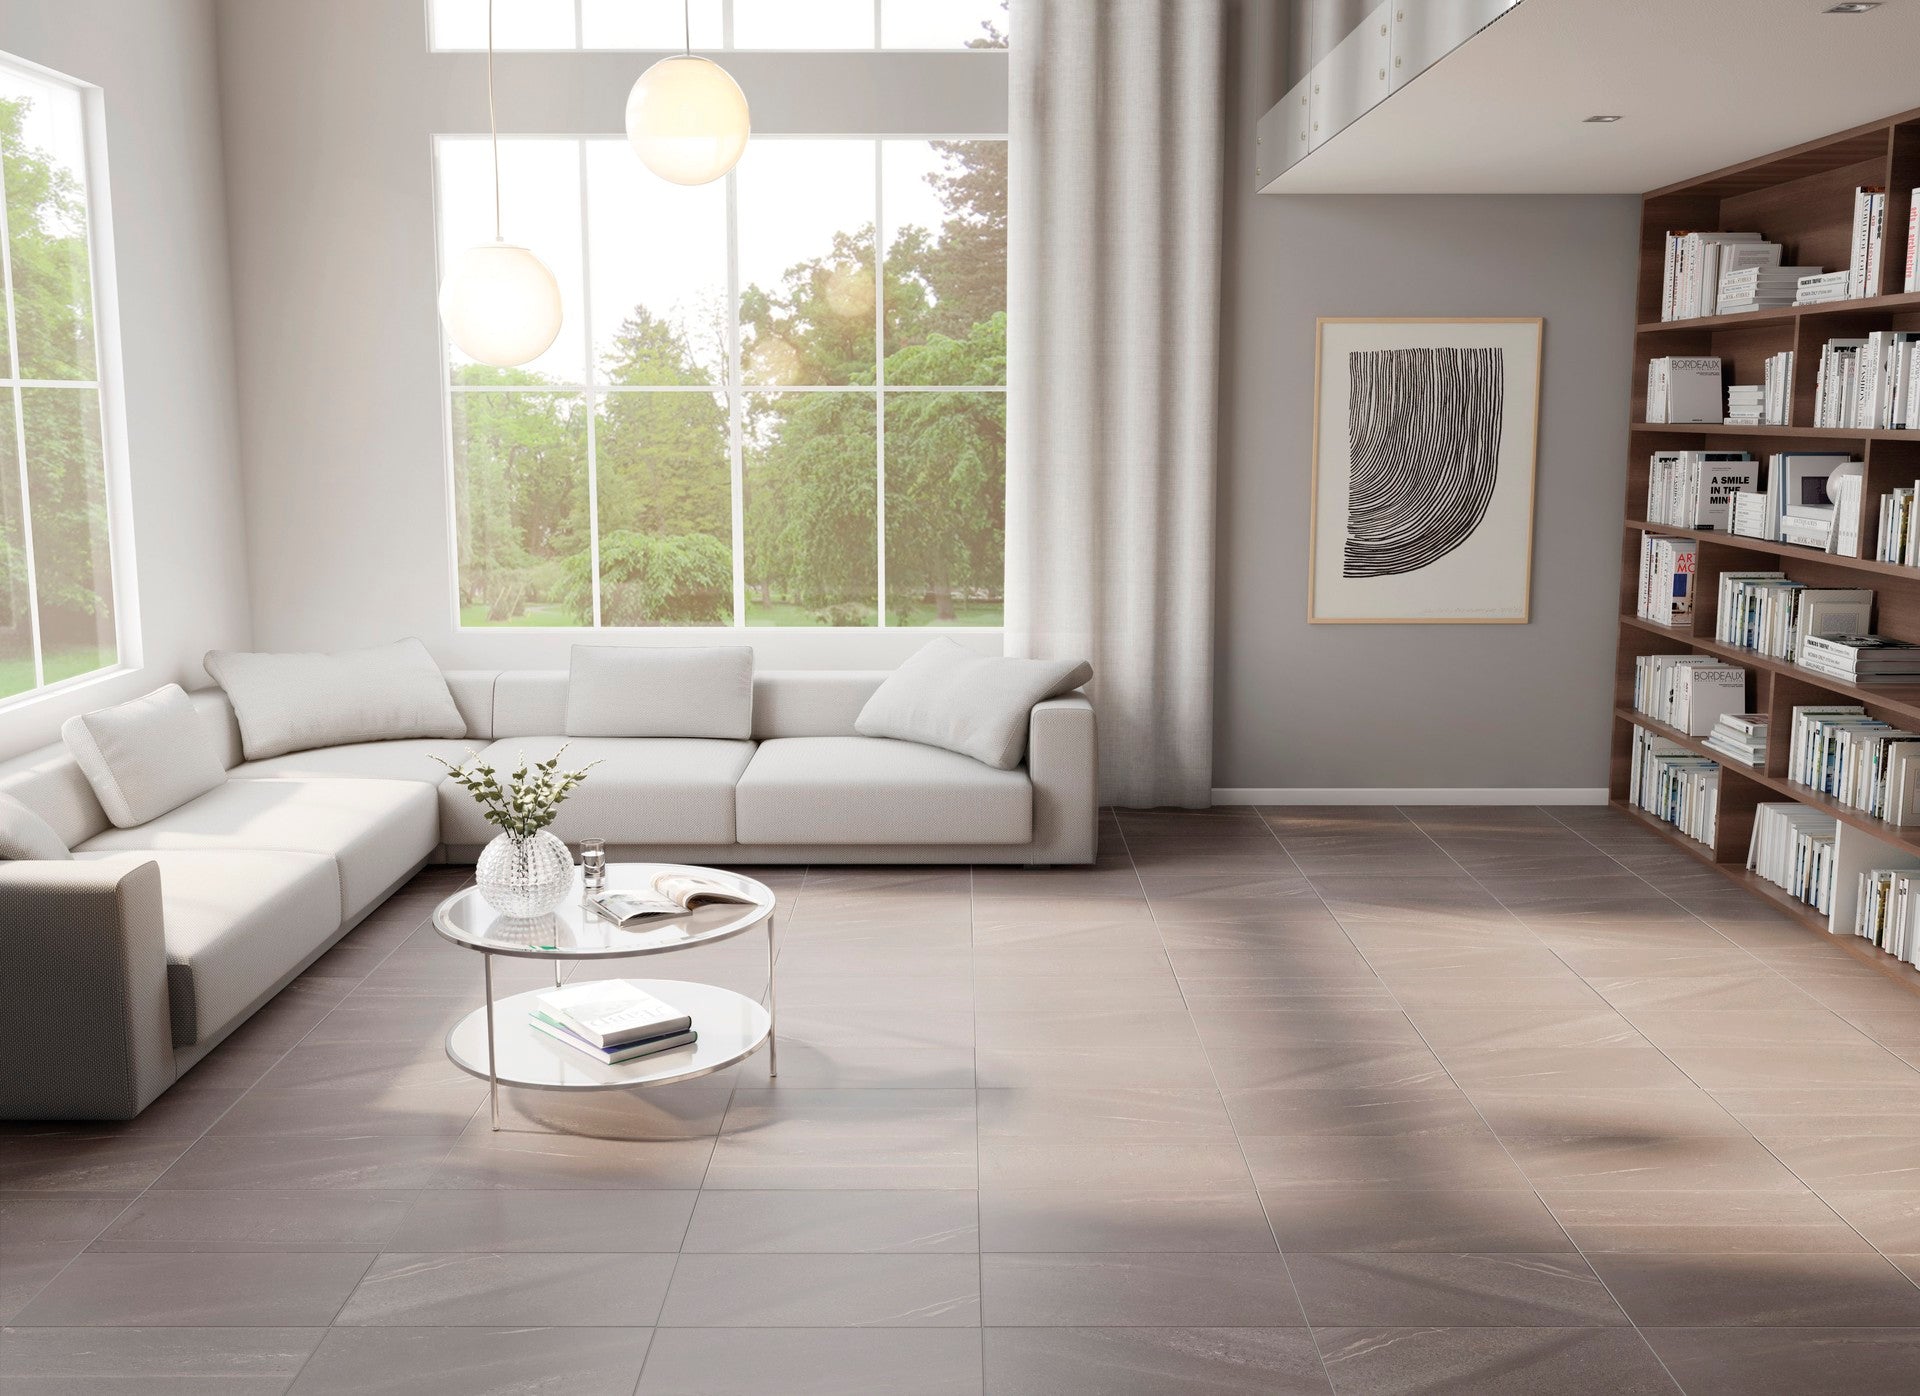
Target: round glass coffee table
column 497, row 1043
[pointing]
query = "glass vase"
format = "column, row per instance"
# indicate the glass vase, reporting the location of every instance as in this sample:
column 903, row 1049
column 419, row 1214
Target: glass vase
column 524, row 876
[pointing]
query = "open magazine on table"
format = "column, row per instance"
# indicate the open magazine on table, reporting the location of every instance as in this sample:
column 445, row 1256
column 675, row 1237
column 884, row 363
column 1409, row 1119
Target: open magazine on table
column 669, row 894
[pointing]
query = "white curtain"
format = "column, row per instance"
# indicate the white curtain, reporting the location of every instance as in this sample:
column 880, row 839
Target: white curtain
column 1114, row 210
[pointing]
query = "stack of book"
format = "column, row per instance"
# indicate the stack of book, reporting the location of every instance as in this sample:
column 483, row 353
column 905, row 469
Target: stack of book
column 1860, row 658
column 1689, row 691
column 1778, row 403
column 1869, row 236
column 1752, row 515
column 1666, row 579
column 1695, row 489
column 1860, row 761
column 1746, row 406
column 1770, row 614
column 1695, row 263
column 1685, row 390
column 1674, row 785
column 1760, row 288
column 1742, row 737
column 1792, row 848
column 611, row 1020
column 1822, row 289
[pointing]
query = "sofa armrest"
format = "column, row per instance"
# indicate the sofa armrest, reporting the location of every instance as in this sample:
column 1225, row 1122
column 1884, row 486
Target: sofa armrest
column 84, row 1027
column 1063, row 763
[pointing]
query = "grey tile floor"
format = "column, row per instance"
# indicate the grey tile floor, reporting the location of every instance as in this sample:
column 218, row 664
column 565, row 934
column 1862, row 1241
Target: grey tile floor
column 1362, row 1101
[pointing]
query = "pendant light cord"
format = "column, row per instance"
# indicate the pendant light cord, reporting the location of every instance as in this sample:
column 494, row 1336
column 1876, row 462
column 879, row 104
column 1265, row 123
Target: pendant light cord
column 493, row 128
column 686, row 13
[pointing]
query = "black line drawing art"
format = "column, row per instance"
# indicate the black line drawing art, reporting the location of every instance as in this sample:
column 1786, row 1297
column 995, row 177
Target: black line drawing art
column 1424, row 432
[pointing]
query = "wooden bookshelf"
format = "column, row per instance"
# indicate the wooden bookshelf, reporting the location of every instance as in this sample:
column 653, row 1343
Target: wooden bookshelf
column 1803, row 198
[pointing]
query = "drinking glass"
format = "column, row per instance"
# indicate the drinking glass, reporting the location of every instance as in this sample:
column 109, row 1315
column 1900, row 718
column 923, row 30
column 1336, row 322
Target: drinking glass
column 593, row 863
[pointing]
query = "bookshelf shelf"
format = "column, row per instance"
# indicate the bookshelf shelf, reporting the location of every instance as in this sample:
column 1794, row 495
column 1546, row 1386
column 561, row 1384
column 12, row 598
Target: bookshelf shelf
column 1802, row 198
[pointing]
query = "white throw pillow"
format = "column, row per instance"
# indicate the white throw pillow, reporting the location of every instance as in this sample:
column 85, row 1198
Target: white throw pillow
column 145, row 757
column 656, row 691
column 978, row 705
column 295, row 702
column 25, row 835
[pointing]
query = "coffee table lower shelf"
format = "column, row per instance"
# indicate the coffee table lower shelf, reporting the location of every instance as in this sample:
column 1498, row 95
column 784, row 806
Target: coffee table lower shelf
column 732, row 1027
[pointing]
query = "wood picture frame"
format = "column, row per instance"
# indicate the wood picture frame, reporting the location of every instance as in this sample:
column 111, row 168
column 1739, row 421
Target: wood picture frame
column 1443, row 413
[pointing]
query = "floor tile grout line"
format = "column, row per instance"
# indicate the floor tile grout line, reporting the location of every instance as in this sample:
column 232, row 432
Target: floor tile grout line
column 1532, row 1187
column 1286, row 1266
column 973, row 1015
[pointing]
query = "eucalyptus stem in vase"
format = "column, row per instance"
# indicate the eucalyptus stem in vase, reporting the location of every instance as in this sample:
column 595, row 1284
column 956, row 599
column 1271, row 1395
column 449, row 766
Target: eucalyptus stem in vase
column 525, row 870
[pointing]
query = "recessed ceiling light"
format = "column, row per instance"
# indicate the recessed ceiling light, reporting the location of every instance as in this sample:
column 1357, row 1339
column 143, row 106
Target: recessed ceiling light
column 1852, row 7
column 1602, row 120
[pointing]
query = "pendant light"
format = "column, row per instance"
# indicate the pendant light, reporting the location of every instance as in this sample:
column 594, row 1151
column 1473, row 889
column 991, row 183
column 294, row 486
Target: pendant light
column 686, row 117
column 499, row 303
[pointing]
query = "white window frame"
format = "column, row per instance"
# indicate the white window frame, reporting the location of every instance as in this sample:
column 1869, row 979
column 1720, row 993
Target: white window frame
column 108, row 383
column 733, row 386
column 727, row 44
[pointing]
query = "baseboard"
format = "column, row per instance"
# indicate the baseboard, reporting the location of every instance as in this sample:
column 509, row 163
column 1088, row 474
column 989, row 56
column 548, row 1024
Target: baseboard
column 1426, row 795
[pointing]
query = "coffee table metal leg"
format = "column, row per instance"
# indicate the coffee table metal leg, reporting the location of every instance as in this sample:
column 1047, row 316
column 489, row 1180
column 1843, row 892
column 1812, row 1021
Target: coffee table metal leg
column 773, row 1012
column 493, row 1073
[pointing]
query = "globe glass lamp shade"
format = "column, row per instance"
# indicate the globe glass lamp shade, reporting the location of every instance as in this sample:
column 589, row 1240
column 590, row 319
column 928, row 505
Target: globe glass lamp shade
column 687, row 119
column 500, row 304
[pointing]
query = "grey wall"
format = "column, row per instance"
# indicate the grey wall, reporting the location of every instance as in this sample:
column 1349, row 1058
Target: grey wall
column 330, row 111
column 1412, row 706
column 154, row 61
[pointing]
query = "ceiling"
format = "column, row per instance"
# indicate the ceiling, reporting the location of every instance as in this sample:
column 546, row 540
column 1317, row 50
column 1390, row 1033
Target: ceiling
column 1699, row 83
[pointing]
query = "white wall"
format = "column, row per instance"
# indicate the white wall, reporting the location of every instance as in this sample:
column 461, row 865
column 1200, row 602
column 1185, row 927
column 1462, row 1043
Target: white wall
column 155, row 63
column 1447, row 706
column 330, row 110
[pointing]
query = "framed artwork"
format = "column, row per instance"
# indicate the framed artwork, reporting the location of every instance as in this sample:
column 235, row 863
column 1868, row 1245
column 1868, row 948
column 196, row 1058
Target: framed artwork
column 1424, row 438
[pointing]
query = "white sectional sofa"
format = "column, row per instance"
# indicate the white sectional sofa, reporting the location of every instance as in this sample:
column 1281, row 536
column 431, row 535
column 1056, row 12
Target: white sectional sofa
column 121, row 968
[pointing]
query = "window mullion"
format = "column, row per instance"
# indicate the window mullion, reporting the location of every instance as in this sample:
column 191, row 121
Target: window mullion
column 879, row 373
column 20, row 438
column 586, row 397
column 736, row 446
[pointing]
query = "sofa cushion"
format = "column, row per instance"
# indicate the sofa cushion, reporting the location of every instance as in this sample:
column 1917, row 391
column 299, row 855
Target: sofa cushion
column 293, row 702
column 661, row 691
column 835, row 790
column 979, row 705
column 811, row 702
column 25, row 835
column 376, row 830
column 410, row 760
column 676, row 790
column 236, row 921
column 146, row 756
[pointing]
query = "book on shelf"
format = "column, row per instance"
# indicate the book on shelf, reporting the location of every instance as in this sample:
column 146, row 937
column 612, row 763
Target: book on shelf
column 1694, row 263
column 1666, row 579
column 669, row 894
column 1822, row 288
column 1912, row 281
column 1675, row 785
column 1685, row 389
column 1869, row 226
column 1759, row 287
column 1900, row 526
column 1777, row 409
column 1771, row 614
column 1856, row 760
column 1887, row 912
column 1741, row 736
column 1690, row 692
column 1870, row 384
column 1860, row 658
column 1792, row 847
column 613, row 1020
column 1750, row 516
column 1695, row 489
column 1844, row 539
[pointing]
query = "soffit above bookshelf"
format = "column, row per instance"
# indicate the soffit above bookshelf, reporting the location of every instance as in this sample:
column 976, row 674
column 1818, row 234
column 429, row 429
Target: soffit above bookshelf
column 1698, row 84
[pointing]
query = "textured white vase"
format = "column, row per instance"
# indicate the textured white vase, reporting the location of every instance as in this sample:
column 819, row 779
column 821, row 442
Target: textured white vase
column 524, row 876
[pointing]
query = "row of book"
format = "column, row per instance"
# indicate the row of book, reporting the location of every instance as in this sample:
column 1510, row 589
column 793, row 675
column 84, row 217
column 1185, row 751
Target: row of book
column 1860, row 761
column 1674, row 785
column 1768, row 403
column 1888, row 911
column 1695, row 489
column 1793, row 848
column 1869, row 384
column 1691, row 692
column 1728, row 273
column 1666, row 579
column 1810, row 498
column 1770, row 614
column 1899, row 537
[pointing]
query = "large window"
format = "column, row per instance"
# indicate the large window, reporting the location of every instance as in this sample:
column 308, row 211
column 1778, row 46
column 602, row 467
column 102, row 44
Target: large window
column 777, row 400
column 57, row 613
column 717, row 24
